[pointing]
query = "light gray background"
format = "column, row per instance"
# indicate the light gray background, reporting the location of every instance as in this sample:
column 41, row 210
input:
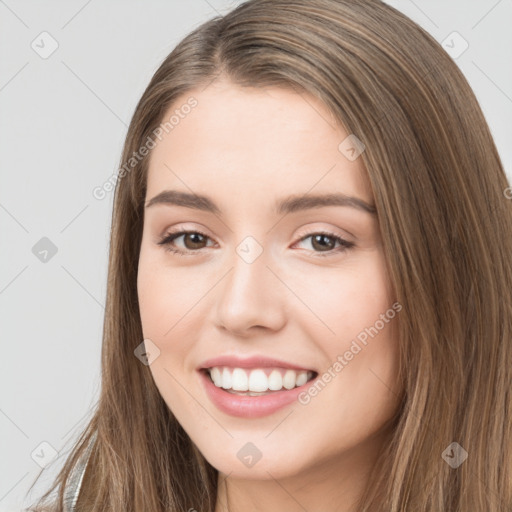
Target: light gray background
column 63, row 122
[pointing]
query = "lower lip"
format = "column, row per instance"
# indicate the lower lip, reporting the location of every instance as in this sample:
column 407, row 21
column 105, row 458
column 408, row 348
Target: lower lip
column 249, row 406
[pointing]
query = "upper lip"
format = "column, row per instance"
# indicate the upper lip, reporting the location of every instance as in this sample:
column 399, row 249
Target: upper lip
column 255, row 361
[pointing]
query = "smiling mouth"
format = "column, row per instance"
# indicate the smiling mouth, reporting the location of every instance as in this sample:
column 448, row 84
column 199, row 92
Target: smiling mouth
column 257, row 381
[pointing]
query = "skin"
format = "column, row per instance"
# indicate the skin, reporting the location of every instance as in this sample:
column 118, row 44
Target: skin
column 246, row 148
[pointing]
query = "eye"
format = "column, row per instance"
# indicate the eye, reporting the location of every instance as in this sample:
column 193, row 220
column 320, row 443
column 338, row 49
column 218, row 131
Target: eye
column 194, row 241
column 326, row 242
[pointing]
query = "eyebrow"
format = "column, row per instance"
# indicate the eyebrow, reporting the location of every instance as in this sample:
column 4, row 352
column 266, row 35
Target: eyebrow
column 289, row 204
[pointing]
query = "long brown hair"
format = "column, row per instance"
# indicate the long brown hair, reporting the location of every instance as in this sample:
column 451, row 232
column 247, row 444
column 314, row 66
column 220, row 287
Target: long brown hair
column 446, row 227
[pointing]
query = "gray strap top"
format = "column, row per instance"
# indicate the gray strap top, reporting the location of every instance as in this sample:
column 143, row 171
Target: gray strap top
column 75, row 480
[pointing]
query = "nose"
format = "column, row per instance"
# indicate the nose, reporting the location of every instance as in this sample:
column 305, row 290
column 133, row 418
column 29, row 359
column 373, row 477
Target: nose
column 250, row 297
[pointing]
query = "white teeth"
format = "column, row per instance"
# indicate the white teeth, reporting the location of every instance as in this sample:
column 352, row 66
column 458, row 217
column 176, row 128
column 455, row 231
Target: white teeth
column 226, row 379
column 216, row 376
column 289, row 379
column 240, row 380
column 275, row 380
column 302, row 378
column 258, row 380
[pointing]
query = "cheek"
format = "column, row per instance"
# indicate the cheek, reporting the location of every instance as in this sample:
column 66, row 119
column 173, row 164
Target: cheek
column 154, row 302
column 348, row 299
column 165, row 296
column 163, row 304
column 357, row 328
column 164, row 299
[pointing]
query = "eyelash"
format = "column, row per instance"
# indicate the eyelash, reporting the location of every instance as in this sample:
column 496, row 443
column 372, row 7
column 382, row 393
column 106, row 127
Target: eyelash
column 170, row 237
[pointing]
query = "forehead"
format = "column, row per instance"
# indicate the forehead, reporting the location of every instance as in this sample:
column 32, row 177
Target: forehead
column 267, row 140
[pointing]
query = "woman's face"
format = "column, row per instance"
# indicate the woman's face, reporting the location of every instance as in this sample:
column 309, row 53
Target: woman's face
column 267, row 271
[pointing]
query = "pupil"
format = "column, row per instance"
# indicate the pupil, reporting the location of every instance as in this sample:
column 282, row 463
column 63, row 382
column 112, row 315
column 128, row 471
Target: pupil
column 321, row 237
column 194, row 237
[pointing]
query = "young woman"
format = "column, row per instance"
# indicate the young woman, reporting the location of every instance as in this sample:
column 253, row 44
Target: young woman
column 310, row 284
